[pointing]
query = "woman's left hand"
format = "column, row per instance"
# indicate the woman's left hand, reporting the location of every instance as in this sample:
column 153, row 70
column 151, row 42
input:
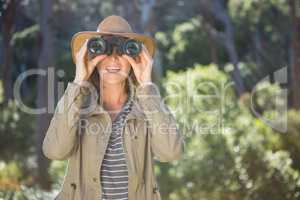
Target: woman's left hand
column 142, row 69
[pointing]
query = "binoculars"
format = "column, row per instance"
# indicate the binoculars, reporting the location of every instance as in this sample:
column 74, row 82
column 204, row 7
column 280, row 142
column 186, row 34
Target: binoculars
column 105, row 45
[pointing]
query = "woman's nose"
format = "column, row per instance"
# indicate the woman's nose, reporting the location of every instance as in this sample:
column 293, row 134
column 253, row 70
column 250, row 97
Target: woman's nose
column 114, row 52
column 114, row 55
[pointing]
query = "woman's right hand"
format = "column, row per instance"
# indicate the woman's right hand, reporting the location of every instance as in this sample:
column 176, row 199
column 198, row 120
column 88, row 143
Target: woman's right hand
column 83, row 69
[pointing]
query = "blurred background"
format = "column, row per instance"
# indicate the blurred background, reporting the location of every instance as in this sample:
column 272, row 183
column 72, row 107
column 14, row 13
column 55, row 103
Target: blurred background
column 229, row 69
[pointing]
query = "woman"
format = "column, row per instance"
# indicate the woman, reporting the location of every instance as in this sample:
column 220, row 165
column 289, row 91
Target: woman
column 111, row 123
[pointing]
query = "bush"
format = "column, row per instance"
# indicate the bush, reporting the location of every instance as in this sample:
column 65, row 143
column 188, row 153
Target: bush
column 231, row 154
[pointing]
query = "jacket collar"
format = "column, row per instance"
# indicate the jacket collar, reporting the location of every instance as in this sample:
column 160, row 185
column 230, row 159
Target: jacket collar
column 96, row 108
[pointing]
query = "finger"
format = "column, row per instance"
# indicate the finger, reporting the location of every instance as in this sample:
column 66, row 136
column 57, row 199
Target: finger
column 146, row 53
column 130, row 60
column 83, row 48
column 138, row 59
column 81, row 54
column 95, row 61
column 142, row 60
column 145, row 59
column 98, row 58
column 90, row 69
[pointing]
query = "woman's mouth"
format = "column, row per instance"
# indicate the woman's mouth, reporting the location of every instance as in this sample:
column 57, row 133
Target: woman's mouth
column 112, row 69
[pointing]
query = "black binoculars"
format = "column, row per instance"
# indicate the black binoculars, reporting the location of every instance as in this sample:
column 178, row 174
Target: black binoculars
column 105, row 45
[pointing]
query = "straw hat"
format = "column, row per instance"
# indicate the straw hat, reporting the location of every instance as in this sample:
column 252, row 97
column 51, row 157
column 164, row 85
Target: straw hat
column 111, row 25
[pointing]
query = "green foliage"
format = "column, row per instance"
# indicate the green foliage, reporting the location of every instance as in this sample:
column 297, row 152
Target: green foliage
column 201, row 94
column 10, row 174
column 259, row 29
column 26, row 193
column 240, row 157
column 290, row 139
column 16, row 185
column 255, row 11
column 57, row 171
column 184, row 46
column 16, row 130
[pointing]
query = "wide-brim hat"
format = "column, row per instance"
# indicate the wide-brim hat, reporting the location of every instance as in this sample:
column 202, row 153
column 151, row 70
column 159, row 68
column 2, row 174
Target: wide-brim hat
column 111, row 25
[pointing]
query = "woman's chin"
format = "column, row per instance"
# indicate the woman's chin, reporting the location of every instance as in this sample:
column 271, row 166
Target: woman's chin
column 114, row 78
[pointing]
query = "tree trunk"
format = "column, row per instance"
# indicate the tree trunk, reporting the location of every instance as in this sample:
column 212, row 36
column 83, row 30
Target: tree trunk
column 7, row 28
column 295, row 54
column 226, row 38
column 213, row 50
column 45, row 60
column 211, row 40
column 140, row 15
column 147, row 22
column 130, row 11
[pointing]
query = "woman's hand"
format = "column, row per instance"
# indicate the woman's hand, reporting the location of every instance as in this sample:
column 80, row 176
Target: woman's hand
column 142, row 69
column 83, row 69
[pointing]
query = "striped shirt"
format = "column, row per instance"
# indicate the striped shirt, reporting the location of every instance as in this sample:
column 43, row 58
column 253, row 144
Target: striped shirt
column 114, row 173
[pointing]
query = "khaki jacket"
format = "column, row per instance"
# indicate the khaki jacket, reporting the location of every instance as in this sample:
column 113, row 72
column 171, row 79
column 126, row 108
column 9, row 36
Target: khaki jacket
column 79, row 132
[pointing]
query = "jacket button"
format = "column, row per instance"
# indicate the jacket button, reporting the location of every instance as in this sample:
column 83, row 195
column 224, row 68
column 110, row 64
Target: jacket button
column 135, row 137
column 95, row 179
column 155, row 189
column 73, row 185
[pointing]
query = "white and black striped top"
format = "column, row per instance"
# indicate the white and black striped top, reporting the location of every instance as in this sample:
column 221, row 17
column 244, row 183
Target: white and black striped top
column 114, row 173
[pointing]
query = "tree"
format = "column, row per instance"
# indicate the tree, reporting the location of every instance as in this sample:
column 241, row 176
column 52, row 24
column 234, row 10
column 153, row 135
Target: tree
column 46, row 59
column 7, row 22
column 141, row 15
column 230, row 154
column 216, row 9
column 294, row 14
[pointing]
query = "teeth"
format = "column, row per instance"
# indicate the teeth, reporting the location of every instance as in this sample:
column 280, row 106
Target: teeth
column 113, row 69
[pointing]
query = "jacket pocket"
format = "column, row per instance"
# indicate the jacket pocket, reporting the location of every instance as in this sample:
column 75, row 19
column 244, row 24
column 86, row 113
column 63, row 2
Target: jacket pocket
column 138, row 141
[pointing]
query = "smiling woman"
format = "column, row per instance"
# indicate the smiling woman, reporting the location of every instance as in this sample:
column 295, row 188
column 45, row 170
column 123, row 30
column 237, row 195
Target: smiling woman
column 115, row 162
